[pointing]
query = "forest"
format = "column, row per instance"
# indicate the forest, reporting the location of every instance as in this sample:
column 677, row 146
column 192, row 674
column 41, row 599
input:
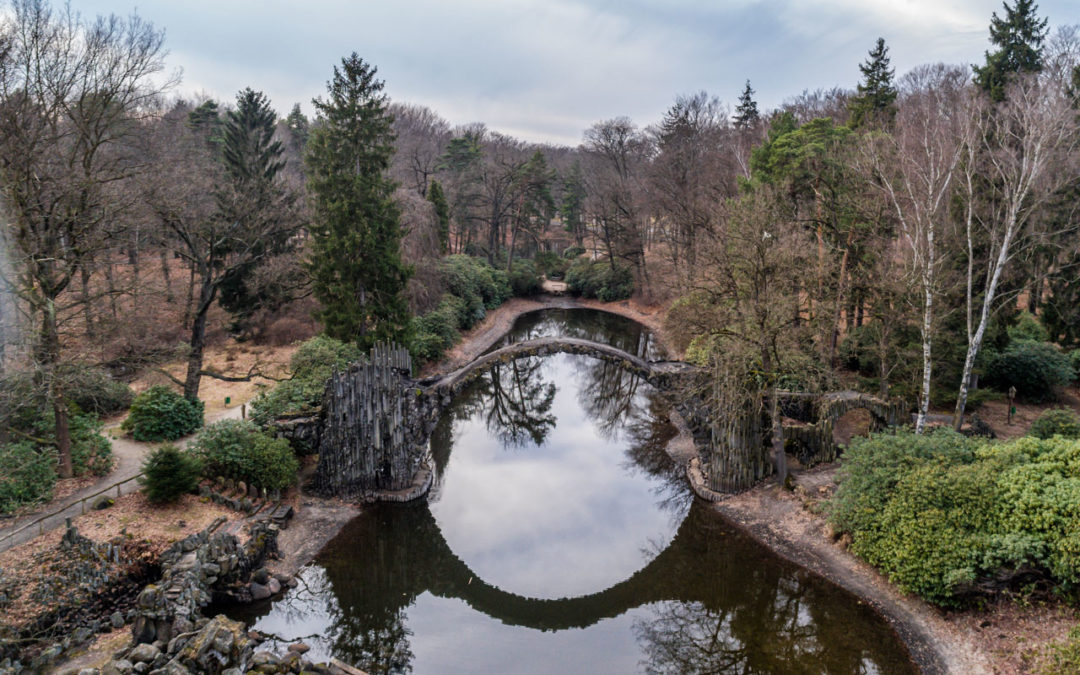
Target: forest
column 914, row 236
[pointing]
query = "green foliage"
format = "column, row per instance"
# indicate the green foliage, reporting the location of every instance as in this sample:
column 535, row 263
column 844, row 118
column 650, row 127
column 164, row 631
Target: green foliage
column 1019, row 38
column 1027, row 327
column 1064, row 656
column 524, row 279
column 161, row 414
column 169, row 473
column 435, row 332
column 1058, row 421
column 574, row 252
column 1037, row 370
column 1074, row 361
column 94, row 391
column 237, row 449
column 473, row 287
column 312, row 364
column 442, row 215
column 875, row 102
column 550, row 264
column 356, row 269
column 91, row 451
column 940, row 512
column 746, row 113
column 600, row 279
column 27, row 474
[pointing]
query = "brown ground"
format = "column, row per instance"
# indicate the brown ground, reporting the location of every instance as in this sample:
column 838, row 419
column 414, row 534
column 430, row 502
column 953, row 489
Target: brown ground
column 157, row 526
column 996, row 413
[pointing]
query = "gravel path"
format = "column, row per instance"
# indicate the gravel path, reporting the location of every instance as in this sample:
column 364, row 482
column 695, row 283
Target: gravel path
column 129, row 457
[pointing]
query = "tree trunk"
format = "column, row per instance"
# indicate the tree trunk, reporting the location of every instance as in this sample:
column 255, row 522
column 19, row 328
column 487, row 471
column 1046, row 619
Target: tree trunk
column 50, row 360
column 198, row 339
column 165, row 273
column 88, row 313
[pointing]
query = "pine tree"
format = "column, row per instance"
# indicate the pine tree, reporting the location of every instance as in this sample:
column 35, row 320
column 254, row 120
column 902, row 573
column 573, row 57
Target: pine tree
column 250, row 153
column 875, row 102
column 252, row 196
column 746, row 113
column 356, row 268
column 442, row 215
column 1019, row 38
column 572, row 207
column 298, row 124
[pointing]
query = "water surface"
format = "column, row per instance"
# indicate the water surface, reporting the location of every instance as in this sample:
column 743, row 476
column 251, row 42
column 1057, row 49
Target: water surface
column 560, row 538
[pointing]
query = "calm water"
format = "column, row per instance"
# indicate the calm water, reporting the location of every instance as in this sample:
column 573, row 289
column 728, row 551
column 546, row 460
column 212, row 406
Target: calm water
column 559, row 538
column 586, row 324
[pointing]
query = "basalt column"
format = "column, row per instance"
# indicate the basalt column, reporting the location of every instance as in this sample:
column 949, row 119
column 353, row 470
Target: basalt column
column 373, row 424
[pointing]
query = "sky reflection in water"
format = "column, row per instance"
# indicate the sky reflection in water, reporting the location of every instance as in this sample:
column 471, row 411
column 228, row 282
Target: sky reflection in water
column 561, row 539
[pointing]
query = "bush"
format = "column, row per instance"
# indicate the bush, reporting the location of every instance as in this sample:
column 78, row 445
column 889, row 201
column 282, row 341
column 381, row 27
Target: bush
column 161, row 414
column 27, row 474
column 600, row 279
column 1037, row 370
column 169, row 473
column 1027, row 327
column 91, row 451
column 573, row 252
column 1074, row 361
column 524, row 279
column 948, row 517
column 95, row 391
column 550, row 264
column 1056, row 422
column 312, row 364
column 435, row 332
column 480, row 285
column 237, row 449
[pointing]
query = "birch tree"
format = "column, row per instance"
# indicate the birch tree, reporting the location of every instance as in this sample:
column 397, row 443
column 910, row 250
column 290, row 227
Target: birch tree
column 1027, row 138
column 915, row 166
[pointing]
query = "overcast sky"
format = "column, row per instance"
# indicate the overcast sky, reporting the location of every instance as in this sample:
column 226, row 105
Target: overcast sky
column 545, row 70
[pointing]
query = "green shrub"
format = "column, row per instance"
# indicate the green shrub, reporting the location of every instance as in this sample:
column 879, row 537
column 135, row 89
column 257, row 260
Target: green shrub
column 91, row 450
column 1027, row 327
column 1074, row 361
column 1059, row 421
column 940, row 514
column 237, row 449
column 1037, row 370
column 93, row 390
column 480, row 285
column 169, row 473
column 524, row 279
column 312, row 364
column 574, row 252
column 435, row 332
column 550, row 264
column 600, row 279
column 27, row 474
column 161, row 414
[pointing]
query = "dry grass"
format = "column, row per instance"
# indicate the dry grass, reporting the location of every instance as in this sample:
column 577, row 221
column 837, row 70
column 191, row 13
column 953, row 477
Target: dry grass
column 1014, row 635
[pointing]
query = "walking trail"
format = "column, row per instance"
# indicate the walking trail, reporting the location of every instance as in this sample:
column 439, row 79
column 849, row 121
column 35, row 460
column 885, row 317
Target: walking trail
column 128, row 455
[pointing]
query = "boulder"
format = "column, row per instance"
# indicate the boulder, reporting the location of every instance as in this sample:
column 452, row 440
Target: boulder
column 258, row 591
column 143, row 653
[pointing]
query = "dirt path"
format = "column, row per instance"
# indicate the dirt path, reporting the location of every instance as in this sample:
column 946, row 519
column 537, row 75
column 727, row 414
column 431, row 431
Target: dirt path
column 129, row 456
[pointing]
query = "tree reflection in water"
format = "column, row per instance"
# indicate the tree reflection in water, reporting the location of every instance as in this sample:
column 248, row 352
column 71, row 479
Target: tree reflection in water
column 585, row 324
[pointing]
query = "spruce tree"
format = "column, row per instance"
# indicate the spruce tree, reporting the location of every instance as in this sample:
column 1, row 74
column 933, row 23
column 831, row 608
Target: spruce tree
column 746, row 113
column 442, row 215
column 253, row 197
column 1019, row 38
column 355, row 264
column 875, row 102
column 298, row 124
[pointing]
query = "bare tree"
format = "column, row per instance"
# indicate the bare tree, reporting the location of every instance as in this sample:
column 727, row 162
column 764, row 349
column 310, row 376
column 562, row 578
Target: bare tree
column 72, row 94
column 421, row 138
column 915, row 167
column 1027, row 139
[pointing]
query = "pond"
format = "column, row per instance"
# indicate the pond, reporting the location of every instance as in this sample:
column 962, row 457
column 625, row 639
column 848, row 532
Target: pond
column 560, row 538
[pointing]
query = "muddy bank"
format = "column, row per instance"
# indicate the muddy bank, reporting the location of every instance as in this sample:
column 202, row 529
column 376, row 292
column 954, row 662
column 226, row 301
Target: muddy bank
column 779, row 520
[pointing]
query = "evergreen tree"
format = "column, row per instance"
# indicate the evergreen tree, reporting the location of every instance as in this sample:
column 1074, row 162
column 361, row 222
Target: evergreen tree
column 875, row 102
column 356, row 268
column 250, row 153
column 442, row 215
column 573, row 203
column 1019, row 38
column 253, row 159
column 207, row 120
column 298, row 124
column 746, row 113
